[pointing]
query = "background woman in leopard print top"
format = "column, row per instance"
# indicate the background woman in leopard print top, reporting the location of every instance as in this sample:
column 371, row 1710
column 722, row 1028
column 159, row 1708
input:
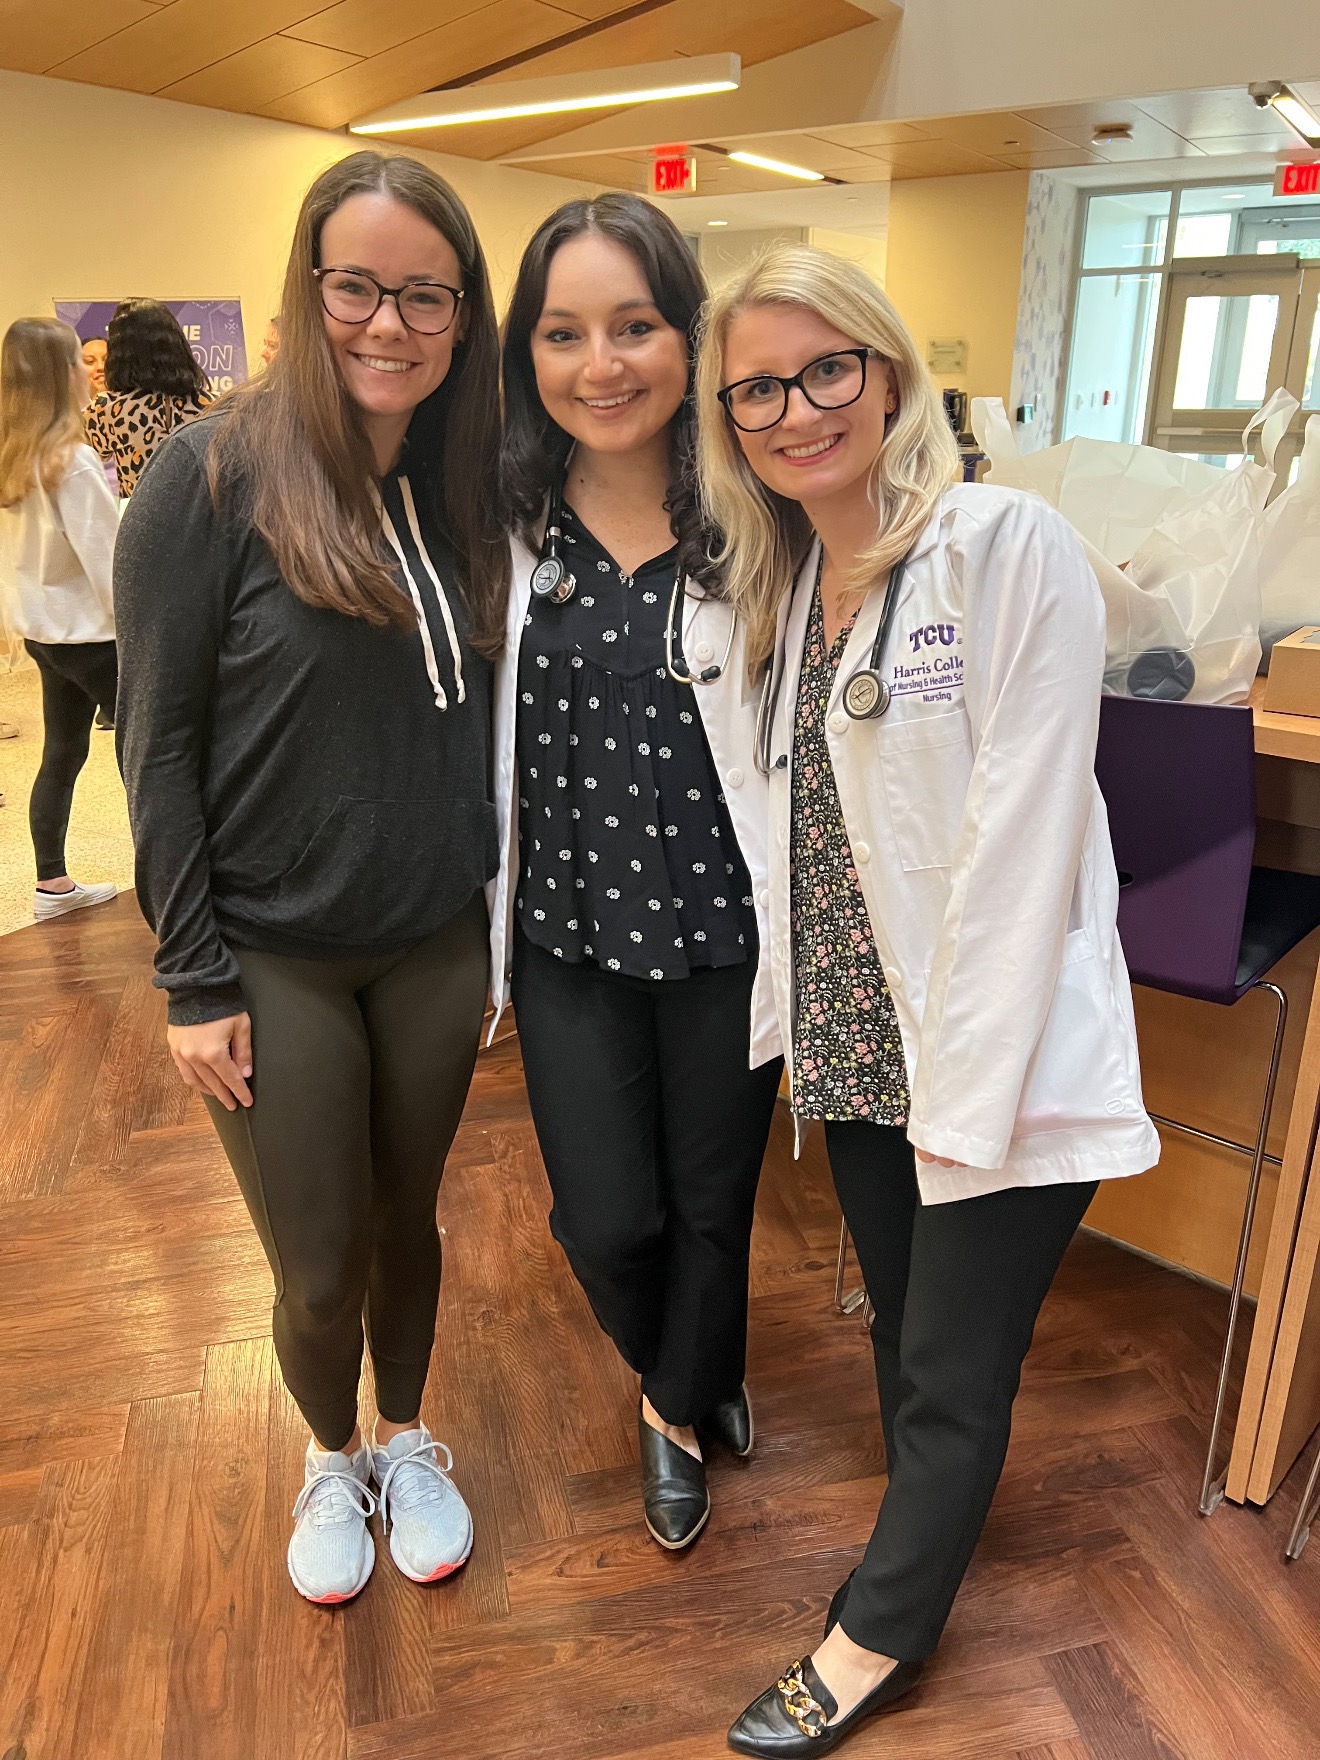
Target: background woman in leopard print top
column 153, row 385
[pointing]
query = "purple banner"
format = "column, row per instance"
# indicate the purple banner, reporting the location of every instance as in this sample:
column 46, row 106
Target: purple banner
column 214, row 328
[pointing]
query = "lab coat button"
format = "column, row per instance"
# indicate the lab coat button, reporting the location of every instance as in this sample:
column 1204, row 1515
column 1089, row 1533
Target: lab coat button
column 838, row 722
column 735, row 778
column 763, row 898
column 861, row 854
column 704, row 651
column 896, row 982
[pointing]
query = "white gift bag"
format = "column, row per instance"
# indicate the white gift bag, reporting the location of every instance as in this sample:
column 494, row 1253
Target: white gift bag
column 1290, row 549
column 1174, row 544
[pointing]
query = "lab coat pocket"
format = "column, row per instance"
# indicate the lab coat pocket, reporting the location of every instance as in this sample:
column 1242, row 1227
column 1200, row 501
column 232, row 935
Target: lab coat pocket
column 925, row 763
column 1077, row 1076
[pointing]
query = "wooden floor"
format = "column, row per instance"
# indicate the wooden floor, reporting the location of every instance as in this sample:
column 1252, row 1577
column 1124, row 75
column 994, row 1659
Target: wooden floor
column 149, row 1459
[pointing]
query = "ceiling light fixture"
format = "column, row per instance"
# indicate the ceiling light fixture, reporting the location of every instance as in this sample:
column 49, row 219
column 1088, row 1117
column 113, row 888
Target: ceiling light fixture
column 1106, row 133
column 777, row 165
column 717, row 222
column 1295, row 111
column 609, row 88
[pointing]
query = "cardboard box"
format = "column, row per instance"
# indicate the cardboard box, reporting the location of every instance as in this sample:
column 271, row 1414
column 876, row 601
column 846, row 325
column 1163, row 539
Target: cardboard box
column 1293, row 685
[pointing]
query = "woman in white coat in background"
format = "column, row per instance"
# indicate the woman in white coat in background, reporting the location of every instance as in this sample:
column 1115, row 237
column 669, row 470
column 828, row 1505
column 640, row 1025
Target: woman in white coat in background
column 950, row 986
column 58, row 525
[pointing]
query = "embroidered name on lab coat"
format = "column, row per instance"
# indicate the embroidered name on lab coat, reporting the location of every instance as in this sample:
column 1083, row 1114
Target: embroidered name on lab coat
column 931, row 667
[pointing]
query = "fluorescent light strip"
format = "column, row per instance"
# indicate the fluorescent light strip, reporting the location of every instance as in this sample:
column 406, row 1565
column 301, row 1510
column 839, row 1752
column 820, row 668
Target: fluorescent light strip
column 552, row 107
column 778, row 165
column 1298, row 115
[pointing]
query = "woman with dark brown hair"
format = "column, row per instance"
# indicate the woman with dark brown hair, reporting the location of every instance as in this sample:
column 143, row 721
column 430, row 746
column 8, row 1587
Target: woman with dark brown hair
column 151, row 385
column 631, row 902
column 310, row 584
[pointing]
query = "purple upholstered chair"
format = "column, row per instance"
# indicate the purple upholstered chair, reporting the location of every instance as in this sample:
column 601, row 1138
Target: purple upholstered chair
column 1195, row 916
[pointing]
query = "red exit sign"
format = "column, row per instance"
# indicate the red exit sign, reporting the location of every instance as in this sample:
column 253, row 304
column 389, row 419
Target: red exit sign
column 674, row 172
column 1297, row 180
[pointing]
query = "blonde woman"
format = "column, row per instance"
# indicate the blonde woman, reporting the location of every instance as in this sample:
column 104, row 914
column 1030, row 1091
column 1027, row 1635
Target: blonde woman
column 57, row 536
column 950, row 987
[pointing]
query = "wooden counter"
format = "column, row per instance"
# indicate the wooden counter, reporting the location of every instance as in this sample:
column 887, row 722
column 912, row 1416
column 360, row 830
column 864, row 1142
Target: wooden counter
column 1206, row 1065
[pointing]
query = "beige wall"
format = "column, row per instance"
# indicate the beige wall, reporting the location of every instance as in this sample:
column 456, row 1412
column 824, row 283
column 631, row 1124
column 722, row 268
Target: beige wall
column 105, row 194
column 858, row 247
column 724, row 253
column 954, row 268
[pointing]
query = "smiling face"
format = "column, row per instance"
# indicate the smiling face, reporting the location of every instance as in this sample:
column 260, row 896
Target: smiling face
column 93, row 354
column 812, row 455
column 386, row 368
column 611, row 370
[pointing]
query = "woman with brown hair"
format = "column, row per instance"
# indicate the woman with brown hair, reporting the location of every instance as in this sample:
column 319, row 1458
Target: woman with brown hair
column 310, row 584
column 57, row 531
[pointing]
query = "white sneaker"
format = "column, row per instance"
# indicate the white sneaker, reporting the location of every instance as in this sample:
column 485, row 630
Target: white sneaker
column 429, row 1525
column 331, row 1553
column 59, row 904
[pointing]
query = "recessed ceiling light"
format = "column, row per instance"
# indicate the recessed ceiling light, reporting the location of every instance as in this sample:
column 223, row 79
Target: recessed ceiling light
column 779, row 166
column 1106, row 133
column 608, row 88
column 717, row 222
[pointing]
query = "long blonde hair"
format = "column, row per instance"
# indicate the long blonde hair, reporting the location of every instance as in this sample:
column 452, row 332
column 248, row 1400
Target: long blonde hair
column 40, row 422
column 766, row 536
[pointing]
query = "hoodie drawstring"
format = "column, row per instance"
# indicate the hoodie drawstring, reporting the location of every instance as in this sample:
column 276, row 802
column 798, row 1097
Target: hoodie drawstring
column 410, row 508
column 428, row 646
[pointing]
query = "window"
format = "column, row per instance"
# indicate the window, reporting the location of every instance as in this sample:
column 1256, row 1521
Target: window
column 1131, row 240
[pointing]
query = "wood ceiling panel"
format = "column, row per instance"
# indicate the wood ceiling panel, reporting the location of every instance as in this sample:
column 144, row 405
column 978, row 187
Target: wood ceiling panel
column 865, row 136
column 994, row 135
column 757, row 30
column 505, row 28
column 180, row 39
column 807, row 150
column 38, row 34
column 1053, row 159
column 1150, row 139
column 369, row 27
column 935, row 159
column 611, row 169
column 268, row 70
column 493, row 140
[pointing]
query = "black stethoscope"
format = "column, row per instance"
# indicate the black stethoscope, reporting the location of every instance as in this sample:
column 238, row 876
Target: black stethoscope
column 552, row 580
column 866, row 695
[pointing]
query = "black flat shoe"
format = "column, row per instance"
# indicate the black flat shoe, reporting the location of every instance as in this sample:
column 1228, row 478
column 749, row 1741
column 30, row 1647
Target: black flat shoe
column 837, row 1601
column 793, row 1716
column 730, row 1424
column 674, row 1494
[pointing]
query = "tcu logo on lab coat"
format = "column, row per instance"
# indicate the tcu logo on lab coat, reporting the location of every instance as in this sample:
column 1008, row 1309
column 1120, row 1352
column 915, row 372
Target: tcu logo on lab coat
column 931, row 634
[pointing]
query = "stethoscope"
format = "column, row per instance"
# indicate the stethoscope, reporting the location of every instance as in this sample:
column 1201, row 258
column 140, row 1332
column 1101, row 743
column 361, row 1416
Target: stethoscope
column 553, row 580
column 866, row 695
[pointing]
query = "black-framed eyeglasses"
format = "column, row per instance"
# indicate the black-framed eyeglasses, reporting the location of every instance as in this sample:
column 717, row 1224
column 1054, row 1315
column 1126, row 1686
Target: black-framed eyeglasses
column 831, row 381
column 353, row 297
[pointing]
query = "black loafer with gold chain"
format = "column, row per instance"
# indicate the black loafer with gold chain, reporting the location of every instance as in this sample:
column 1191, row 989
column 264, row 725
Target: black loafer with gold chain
column 792, row 1718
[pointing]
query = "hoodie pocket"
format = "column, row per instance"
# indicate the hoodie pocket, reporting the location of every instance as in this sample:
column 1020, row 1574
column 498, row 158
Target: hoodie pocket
column 377, row 870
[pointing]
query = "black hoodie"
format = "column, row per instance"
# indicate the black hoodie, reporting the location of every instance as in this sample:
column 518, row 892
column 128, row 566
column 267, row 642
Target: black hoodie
column 298, row 781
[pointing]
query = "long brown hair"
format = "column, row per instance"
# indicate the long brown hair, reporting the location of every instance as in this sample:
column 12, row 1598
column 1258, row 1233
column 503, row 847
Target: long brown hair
column 40, row 422
column 292, row 444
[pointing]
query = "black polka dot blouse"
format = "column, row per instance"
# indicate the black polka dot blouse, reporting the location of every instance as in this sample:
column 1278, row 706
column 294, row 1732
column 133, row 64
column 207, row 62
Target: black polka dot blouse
column 628, row 855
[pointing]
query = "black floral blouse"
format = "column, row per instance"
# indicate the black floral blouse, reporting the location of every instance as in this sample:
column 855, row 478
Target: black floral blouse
column 847, row 1053
column 628, row 854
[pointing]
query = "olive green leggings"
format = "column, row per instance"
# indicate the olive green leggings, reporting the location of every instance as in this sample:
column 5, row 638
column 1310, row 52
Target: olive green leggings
column 361, row 1068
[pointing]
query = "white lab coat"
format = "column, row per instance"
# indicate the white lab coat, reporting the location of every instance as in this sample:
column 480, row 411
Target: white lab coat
column 982, row 848
column 56, row 551
column 728, row 713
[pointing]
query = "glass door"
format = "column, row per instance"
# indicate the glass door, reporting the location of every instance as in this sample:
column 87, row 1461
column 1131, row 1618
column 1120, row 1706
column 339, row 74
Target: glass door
column 1231, row 332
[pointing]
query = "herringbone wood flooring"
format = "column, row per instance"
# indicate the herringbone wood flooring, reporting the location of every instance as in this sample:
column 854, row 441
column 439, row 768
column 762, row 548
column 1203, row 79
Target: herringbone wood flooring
column 149, row 1458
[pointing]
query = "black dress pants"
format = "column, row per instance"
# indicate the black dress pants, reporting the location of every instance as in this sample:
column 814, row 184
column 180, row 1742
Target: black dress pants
column 653, row 1130
column 956, row 1290
column 77, row 678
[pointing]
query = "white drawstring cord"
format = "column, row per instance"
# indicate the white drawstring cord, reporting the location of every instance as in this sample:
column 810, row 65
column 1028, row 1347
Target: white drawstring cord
column 410, row 508
column 428, row 647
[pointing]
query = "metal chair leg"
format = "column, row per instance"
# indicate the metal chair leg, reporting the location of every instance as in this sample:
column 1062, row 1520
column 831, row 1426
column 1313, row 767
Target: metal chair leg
column 1212, row 1488
column 1306, row 1514
column 845, row 1304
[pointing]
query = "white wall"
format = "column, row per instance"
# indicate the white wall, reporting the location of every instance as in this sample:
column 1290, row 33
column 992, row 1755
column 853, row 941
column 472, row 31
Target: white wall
column 107, row 194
